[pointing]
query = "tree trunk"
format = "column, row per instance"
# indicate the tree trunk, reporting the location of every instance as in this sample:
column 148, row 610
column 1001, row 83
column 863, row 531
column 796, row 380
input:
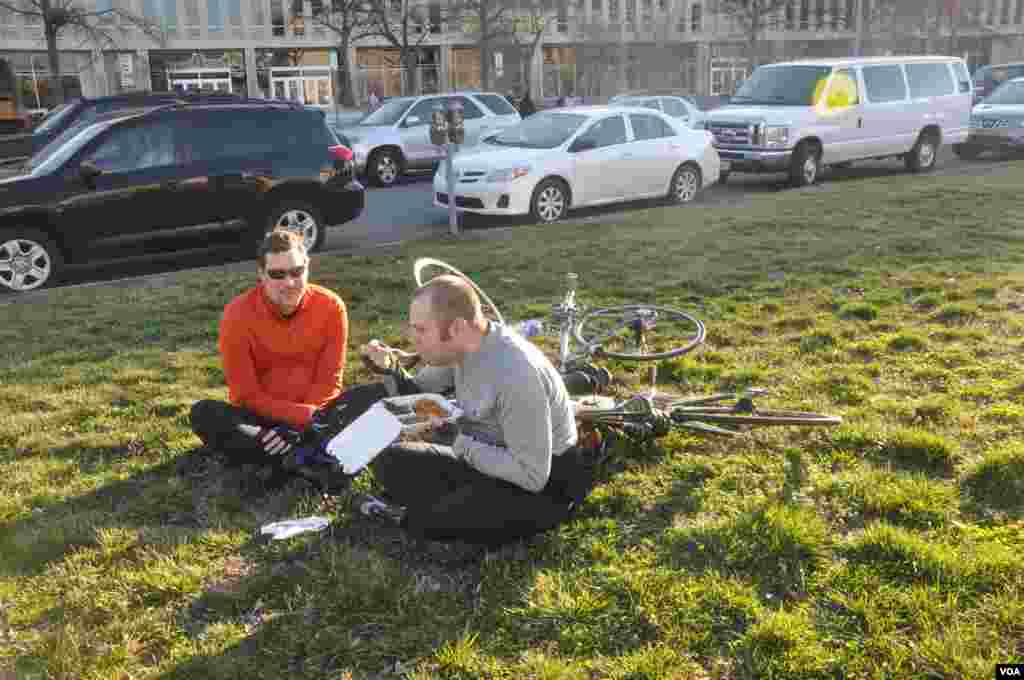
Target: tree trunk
column 347, row 95
column 410, row 62
column 51, row 51
column 485, row 49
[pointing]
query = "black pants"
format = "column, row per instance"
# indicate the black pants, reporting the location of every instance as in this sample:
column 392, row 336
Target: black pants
column 216, row 423
column 447, row 500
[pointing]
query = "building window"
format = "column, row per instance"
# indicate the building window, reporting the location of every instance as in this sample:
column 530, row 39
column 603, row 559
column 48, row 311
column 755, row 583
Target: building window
column 563, row 18
column 630, row 15
column 103, row 7
column 277, row 18
column 595, row 6
column 805, row 15
column 1006, row 13
column 695, row 17
column 256, row 16
column 214, row 17
column 851, row 18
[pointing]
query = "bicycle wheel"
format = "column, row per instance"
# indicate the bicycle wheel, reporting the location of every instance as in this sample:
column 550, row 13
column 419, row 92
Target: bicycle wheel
column 727, row 415
column 421, row 265
column 639, row 332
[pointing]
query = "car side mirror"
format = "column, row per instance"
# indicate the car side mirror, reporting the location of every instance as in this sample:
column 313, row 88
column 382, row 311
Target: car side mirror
column 583, row 145
column 88, row 171
column 411, row 121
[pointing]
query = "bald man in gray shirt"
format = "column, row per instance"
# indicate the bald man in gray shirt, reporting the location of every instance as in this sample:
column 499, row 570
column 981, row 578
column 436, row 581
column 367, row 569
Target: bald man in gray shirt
column 513, row 469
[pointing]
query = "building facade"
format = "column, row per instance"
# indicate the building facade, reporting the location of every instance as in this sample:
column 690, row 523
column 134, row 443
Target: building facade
column 594, row 48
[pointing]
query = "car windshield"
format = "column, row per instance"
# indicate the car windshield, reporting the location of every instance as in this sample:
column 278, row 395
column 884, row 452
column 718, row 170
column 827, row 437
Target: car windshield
column 64, row 147
column 53, row 119
column 1007, row 93
column 540, row 131
column 389, row 112
column 783, row 86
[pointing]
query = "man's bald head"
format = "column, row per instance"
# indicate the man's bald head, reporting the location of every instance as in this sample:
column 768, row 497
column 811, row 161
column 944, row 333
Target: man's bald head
column 449, row 298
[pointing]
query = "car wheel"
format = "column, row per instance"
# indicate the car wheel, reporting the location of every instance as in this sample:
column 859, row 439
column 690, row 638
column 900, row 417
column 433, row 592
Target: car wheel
column 966, row 151
column 685, row 184
column 29, row 260
column 303, row 219
column 550, row 201
column 384, row 168
column 922, row 157
column 805, row 166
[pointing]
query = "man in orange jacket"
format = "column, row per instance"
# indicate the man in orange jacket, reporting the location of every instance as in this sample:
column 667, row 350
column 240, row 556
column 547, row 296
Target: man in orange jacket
column 282, row 344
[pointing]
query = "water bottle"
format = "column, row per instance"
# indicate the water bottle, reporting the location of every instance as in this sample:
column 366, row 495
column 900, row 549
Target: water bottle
column 530, row 327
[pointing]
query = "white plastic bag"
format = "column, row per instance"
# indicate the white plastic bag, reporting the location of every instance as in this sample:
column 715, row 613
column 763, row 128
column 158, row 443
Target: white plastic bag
column 293, row 527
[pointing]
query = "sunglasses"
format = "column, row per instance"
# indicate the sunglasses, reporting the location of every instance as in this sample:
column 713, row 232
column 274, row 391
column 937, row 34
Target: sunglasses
column 280, row 274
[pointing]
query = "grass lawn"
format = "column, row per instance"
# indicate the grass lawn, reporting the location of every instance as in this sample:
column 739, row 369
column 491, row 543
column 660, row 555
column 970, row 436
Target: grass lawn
column 882, row 549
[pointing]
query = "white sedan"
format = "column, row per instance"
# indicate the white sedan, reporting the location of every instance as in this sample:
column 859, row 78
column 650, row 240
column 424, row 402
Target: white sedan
column 561, row 159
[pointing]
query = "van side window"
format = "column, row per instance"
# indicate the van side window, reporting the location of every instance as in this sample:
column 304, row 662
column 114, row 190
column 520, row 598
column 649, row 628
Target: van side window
column 884, row 83
column 929, row 80
column 843, row 91
column 963, row 78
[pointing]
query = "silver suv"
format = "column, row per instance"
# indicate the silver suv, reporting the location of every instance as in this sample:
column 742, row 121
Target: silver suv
column 395, row 139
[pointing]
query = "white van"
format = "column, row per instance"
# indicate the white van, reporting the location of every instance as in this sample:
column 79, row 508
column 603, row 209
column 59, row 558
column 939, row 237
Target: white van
column 798, row 117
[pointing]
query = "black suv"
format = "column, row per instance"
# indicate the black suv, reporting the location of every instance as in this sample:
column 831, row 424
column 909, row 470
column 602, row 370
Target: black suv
column 81, row 110
column 122, row 186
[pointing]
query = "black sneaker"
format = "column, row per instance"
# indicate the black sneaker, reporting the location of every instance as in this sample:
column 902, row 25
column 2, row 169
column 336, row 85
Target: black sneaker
column 374, row 508
column 325, row 473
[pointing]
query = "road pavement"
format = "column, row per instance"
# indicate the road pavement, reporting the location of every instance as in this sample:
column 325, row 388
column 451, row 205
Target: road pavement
column 405, row 211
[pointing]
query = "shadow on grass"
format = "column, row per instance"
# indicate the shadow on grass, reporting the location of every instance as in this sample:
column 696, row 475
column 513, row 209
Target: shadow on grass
column 177, row 494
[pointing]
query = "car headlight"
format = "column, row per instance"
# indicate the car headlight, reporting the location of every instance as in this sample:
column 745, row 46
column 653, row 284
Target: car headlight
column 774, row 135
column 508, row 174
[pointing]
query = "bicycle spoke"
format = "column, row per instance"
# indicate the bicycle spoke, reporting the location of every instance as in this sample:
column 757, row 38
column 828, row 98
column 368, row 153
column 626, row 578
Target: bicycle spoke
column 639, row 332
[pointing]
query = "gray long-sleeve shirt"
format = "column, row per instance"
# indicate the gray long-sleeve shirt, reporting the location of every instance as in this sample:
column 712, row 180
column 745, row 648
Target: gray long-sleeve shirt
column 517, row 411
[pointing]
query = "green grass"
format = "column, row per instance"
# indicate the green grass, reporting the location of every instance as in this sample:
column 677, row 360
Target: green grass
column 886, row 548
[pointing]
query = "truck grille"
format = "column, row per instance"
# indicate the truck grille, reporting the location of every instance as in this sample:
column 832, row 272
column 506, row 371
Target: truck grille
column 730, row 133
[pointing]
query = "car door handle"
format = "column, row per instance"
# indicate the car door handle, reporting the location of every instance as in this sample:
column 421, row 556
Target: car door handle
column 625, row 154
column 172, row 184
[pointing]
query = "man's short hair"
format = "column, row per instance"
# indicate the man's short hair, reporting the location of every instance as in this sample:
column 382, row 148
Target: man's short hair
column 279, row 241
column 450, row 297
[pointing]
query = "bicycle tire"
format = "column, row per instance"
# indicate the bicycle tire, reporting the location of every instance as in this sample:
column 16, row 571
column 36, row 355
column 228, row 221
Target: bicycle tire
column 423, row 262
column 695, row 340
column 726, row 415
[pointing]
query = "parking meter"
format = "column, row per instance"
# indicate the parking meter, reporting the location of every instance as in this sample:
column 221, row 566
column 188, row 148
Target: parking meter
column 438, row 128
column 456, row 123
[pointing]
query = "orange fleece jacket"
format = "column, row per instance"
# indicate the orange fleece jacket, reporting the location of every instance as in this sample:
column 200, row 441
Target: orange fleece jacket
column 284, row 368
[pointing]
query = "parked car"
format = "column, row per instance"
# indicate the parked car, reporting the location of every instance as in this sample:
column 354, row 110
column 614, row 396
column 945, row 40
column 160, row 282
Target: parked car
column 988, row 78
column 997, row 123
column 562, row 159
column 797, row 117
column 395, row 139
column 677, row 107
column 85, row 109
column 128, row 183
column 343, row 118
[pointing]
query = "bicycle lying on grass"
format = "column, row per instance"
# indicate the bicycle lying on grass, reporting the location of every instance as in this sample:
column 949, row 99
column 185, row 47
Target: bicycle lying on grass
column 638, row 333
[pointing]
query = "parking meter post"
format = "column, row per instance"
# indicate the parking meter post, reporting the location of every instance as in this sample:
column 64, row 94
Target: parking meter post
column 453, row 215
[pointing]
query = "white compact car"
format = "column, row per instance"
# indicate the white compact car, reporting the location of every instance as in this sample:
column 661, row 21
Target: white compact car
column 561, row 159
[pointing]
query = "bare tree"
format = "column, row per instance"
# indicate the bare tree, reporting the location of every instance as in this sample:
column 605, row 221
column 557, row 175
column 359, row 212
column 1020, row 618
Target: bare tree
column 404, row 25
column 488, row 21
column 350, row 21
column 69, row 19
column 754, row 18
column 532, row 21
